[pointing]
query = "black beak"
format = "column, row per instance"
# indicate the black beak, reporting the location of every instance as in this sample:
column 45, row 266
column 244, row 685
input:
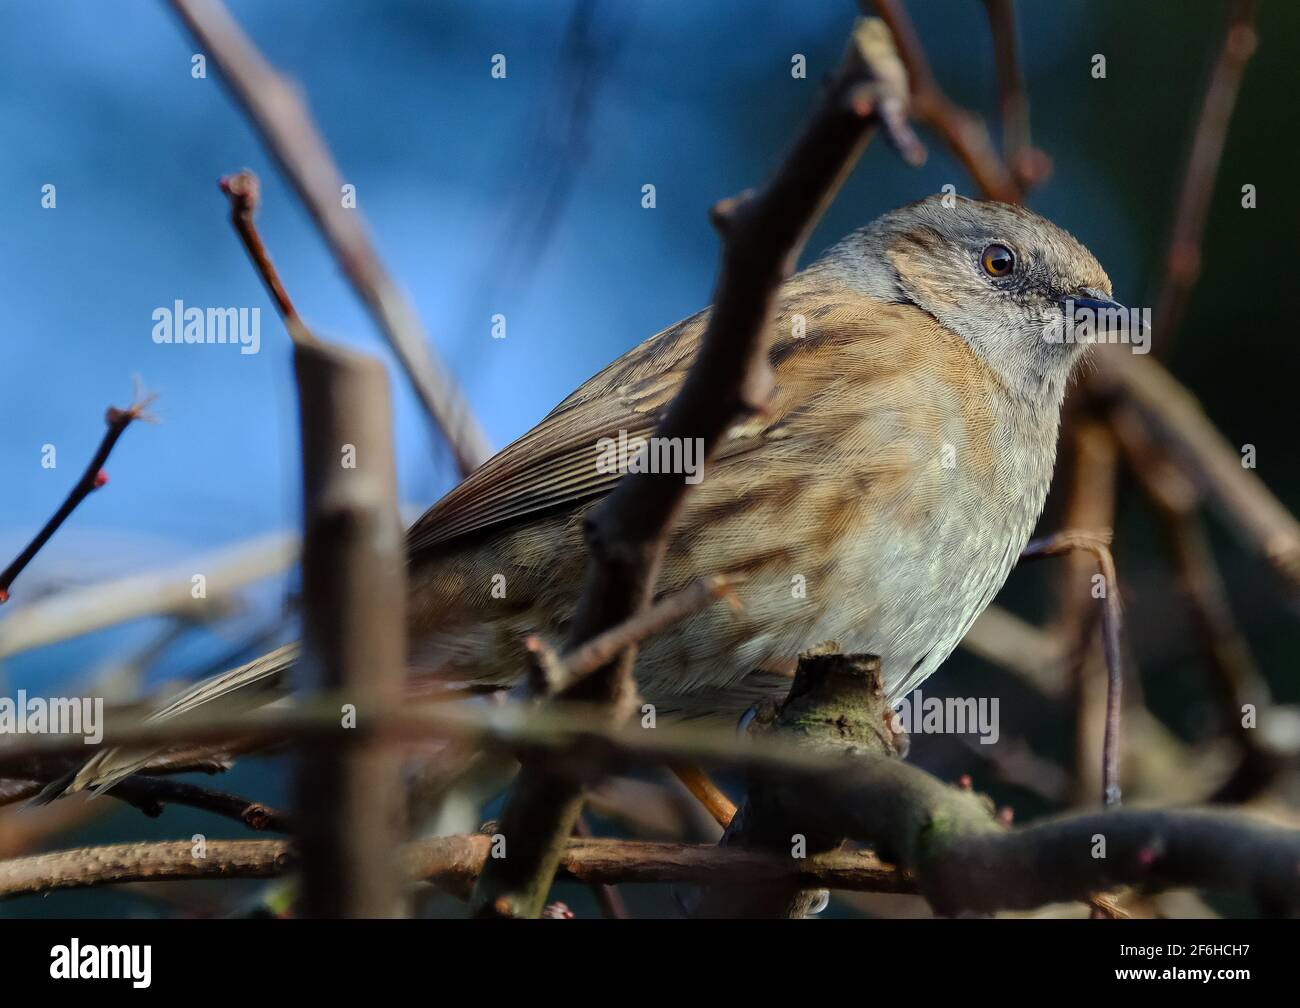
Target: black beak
column 1097, row 304
column 1103, row 308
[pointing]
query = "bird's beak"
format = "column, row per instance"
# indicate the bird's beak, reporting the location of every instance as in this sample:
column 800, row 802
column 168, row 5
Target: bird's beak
column 1096, row 301
column 1116, row 317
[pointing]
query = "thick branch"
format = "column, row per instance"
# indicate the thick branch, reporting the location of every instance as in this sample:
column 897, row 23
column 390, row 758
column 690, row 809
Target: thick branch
column 962, row 857
column 964, row 861
column 354, row 631
column 452, row 863
column 837, row 703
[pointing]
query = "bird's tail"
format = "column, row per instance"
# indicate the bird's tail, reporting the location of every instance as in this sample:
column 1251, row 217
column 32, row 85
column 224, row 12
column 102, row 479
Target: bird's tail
column 241, row 688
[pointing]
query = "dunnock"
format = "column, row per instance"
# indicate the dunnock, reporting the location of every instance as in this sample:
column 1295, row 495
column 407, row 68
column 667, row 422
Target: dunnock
column 879, row 503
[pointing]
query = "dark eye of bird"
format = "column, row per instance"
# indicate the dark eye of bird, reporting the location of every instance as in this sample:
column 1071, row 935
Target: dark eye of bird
column 998, row 260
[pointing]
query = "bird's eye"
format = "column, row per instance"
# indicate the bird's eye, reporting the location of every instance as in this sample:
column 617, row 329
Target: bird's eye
column 998, row 260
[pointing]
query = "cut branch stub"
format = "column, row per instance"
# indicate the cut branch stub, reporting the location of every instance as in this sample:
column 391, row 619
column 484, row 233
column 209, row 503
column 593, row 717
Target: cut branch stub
column 838, row 702
column 838, row 705
column 354, row 586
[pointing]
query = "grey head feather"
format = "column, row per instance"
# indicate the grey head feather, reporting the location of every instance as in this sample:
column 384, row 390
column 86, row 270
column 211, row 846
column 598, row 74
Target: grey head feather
column 928, row 254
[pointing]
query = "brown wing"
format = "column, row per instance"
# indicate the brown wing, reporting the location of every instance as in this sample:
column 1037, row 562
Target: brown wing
column 555, row 463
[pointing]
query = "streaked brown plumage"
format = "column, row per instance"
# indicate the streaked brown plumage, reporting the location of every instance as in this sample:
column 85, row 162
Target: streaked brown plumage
column 792, row 494
column 897, row 474
column 842, row 483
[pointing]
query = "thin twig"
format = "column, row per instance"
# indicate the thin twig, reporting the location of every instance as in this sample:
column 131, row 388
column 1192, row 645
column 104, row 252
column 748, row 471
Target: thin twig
column 1028, row 164
column 94, row 477
column 166, row 591
column 1087, row 479
column 245, row 192
column 150, row 794
column 605, row 647
column 1098, row 544
column 607, row 895
column 278, row 112
column 562, row 672
column 708, row 794
column 965, row 134
column 1183, row 261
column 1179, row 426
column 1239, row 680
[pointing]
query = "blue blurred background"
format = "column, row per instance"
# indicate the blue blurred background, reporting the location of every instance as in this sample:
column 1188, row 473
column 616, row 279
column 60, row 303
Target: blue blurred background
column 522, row 196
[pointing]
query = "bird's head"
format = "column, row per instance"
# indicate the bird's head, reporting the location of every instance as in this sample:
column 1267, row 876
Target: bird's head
column 1004, row 279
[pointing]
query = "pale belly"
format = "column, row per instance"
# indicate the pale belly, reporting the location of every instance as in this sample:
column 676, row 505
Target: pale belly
column 911, row 605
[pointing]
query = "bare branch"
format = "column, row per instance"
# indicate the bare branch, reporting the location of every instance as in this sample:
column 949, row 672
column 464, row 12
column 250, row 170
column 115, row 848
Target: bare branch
column 838, row 703
column 1009, row 642
column 1029, row 165
column 1240, row 682
column 143, row 862
column 157, row 592
column 245, row 192
column 959, row 129
column 150, row 794
column 1183, row 261
column 961, row 859
column 1098, row 544
column 94, row 477
column 277, row 110
column 965, row 863
column 1176, row 422
column 452, row 863
column 702, row 788
column 564, row 672
column 354, row 630
column 965, row 860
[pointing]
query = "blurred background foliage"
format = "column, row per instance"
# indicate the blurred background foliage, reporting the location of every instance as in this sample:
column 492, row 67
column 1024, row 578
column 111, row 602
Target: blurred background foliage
column 522, row 197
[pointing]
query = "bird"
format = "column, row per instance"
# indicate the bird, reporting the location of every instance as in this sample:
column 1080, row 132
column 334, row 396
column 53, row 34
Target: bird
column 876, row 505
